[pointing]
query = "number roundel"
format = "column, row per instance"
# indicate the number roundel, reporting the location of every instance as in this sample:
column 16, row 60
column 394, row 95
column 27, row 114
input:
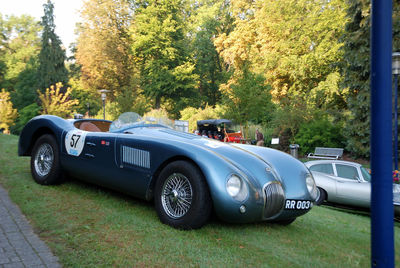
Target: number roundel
column 75, row 141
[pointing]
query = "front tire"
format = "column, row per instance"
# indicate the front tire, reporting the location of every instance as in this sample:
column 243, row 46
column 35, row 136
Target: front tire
column 321, row 198
column 45, row 161
column 182, row 198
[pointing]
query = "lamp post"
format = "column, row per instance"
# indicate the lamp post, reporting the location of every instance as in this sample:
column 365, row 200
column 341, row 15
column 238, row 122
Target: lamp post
column 103, row 98
column 1, row 103
column 395, row 72
column 88, row 109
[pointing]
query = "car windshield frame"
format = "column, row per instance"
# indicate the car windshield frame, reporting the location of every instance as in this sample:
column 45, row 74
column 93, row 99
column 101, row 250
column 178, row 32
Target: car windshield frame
column 130, row 120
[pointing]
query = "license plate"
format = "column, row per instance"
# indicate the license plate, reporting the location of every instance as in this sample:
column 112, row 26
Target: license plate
column 297, row 204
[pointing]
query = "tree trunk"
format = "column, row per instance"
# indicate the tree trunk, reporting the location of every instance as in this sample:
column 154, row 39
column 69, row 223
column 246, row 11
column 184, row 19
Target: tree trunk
column 158, row 102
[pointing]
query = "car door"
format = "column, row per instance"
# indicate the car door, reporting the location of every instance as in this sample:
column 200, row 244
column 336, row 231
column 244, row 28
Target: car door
column 99, row 158
column 133, row 156
column 91, row 155
column 350, row 190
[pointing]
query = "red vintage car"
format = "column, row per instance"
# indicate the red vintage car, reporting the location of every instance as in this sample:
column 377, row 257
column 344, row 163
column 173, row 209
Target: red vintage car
column 218, row 129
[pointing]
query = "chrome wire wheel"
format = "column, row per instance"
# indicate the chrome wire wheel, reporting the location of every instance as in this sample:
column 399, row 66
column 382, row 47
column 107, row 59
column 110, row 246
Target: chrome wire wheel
column 176, row 195
column 44, row 159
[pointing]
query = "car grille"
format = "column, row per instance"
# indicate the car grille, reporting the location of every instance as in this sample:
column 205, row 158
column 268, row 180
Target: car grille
column 274, row 199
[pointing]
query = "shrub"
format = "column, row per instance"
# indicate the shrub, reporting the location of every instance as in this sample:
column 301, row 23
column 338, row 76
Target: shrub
column 25, row 114
column 193, row 115
column 319, row 133
column 55, row 102
column 157, row 113
column 7, row 113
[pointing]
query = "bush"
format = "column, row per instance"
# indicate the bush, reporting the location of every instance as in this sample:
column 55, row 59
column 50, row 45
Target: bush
column 319, row 133
column 25, row 114
column 157, row 113
column 193, row 115
column 288, row 119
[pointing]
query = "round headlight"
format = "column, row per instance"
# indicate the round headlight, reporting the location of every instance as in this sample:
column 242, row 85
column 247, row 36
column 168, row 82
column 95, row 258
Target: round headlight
column 237, row 188
column 311, row 187
column 233, row 185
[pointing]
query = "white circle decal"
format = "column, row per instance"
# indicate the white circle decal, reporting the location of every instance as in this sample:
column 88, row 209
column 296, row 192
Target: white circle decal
column 75, row 141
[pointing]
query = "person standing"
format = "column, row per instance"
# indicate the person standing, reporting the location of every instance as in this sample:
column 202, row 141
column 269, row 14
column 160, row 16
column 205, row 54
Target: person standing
column 259, row 138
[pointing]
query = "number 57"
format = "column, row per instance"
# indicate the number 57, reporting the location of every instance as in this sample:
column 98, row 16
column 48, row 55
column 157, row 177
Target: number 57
column 74, row 140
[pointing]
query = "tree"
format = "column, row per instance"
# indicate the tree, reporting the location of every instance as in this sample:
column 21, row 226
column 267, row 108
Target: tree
column 19, row 51
column 356, row 72
column 104, row 46
column 7, row 113
column 52, row 56
column 89, row 101
column 248, row 99
column 161, row 52
column 295, row 44
column 3, row 39
column 57, row 103
column 209, row 18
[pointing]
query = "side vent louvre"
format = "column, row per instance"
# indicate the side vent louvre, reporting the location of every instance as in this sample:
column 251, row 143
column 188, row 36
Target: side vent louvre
column 135, row 157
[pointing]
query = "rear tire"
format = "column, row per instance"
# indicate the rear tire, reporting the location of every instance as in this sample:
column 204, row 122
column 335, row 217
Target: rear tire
column 45, row 161
column 182, row 198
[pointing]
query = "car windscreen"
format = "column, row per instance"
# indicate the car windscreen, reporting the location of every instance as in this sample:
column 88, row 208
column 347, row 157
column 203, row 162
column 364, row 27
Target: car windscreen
column 366, row 174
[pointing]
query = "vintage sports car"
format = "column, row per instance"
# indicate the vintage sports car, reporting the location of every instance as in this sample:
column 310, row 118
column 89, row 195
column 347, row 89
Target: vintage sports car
column 187, row 176
column 346, row 183
column 218, row 129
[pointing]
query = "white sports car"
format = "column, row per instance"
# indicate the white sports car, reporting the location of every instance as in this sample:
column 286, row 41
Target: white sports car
column 346, row 183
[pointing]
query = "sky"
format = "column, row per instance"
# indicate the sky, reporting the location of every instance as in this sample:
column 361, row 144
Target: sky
column 65, row 12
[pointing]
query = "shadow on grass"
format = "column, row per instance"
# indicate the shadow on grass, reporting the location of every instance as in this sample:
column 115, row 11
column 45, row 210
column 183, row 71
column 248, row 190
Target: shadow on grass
column 95, row 189
column 101, row 191
column 357, row 211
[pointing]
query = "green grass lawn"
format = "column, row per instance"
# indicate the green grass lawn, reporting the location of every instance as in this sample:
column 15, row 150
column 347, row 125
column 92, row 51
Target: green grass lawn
column 88, row 226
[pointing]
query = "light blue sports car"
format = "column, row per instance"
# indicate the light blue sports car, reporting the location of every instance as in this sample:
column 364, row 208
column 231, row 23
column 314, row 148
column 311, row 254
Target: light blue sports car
column 187, row 176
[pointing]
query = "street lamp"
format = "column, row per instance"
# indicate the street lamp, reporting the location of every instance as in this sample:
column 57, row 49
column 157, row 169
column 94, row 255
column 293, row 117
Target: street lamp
column 395, row 72
column 1, row 129
column 103, row 98
column 88, row 109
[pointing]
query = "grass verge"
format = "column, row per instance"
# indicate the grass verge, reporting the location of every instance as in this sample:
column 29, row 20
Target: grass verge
column 88, row 226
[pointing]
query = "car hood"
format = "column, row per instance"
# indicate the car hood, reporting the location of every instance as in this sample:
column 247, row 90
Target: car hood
column 260, row 164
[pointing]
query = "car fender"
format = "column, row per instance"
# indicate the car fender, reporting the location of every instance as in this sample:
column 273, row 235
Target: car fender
column 216, row 169
column 326, row 183
column 37, row 126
